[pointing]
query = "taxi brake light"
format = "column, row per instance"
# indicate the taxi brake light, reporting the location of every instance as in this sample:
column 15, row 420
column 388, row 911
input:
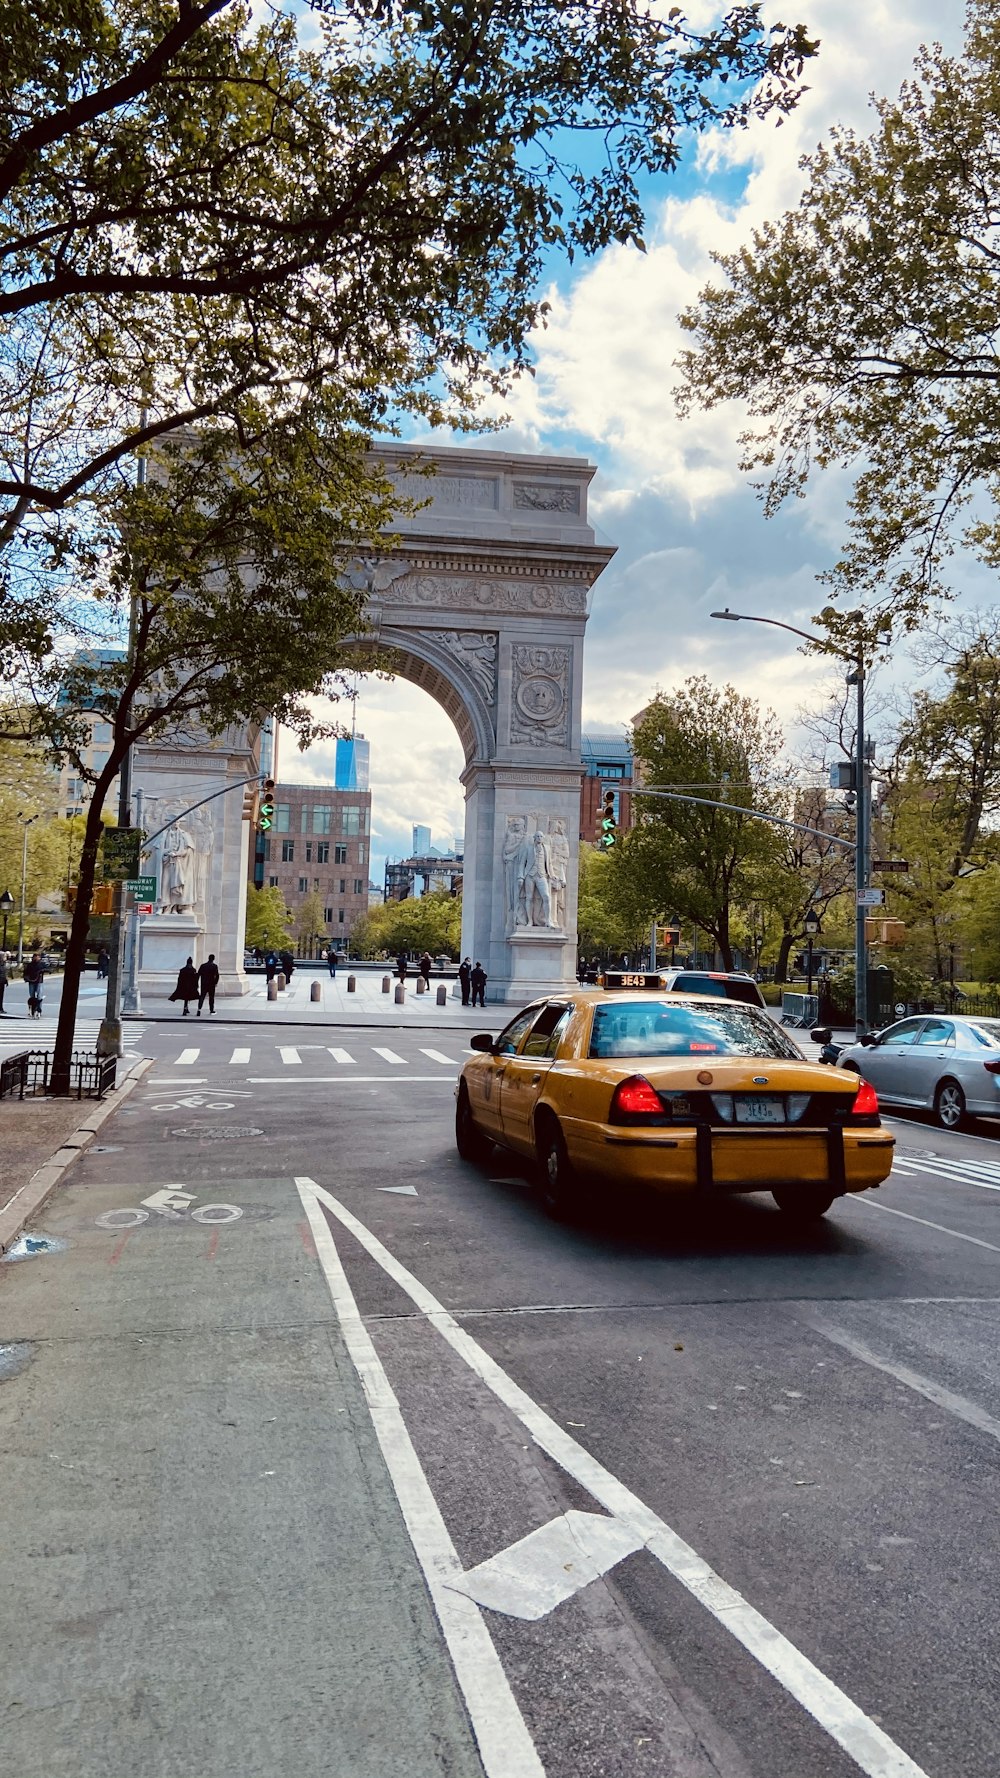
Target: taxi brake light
column 635, row 1098
column 866, row 1101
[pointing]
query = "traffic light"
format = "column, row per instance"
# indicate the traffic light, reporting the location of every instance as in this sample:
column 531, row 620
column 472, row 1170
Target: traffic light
column 265, row 814
column 609, row 825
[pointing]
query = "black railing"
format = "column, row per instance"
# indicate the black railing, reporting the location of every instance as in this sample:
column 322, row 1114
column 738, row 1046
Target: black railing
column 90, row 1075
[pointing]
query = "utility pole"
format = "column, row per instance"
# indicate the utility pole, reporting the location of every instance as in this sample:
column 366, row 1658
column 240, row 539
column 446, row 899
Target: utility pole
column 862, row 788
column 25, row 821
column 131, row 998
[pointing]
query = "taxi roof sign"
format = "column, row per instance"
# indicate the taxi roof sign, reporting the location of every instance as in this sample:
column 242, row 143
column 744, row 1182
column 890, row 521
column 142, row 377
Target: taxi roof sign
column 634, row 978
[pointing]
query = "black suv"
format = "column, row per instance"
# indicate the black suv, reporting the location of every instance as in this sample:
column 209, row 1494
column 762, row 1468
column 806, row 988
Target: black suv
column 736, row 986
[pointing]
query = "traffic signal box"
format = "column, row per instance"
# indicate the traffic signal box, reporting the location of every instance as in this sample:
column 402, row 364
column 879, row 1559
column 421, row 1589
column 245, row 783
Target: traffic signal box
column 609, row 825
column 265, row 813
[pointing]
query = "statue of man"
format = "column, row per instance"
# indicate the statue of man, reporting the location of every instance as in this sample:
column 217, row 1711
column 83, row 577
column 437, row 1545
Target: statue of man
column 559, row 870
column 514, row 855
column 537, row 881
column 179, row 862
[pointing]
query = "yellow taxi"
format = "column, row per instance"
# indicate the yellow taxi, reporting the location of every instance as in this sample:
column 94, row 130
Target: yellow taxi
column 630, row 1085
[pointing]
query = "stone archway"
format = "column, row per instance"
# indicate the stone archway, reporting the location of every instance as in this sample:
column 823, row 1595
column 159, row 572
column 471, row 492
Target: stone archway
column 483, row 603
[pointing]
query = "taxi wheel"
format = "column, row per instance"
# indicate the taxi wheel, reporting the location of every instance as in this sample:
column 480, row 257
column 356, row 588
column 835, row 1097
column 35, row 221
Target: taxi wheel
column 556, row 1181
column 470, row 1141
column 949, row 1105
column 803, row 1203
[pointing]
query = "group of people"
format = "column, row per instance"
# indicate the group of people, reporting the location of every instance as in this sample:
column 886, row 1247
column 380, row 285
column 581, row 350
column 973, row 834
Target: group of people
column 34, row 976
column 424, row 967
column 197, row 984
column 472, row 980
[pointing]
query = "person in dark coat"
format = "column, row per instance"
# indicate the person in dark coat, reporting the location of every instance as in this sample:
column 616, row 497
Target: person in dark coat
column 425, row 967
column 103, row 963
column 478, row 979
column 331, row 961
column 187, row 984
column 465, row 979
column 287, row 963
column 208, row 981
column 270, row 966
column 34, row 975
column 4, row 977
column 401, row 966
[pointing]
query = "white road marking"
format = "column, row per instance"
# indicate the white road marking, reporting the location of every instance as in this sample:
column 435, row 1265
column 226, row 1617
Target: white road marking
column 959, row 1405
column 290, row 1057
column 870, row 1204
column 401, row 1191
column 343, row 1056
column 505, row 1746
column 389, row 1055
column 985, row 1169
column 352, row 1080
column 436, row 1056
column 533, row 1576
column 944, row 1172
column 187, row 1058
column 238, row 1057
column 866, row 1743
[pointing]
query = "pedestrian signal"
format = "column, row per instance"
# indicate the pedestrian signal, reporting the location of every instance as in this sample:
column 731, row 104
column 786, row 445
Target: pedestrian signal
column 265, row 814
column 609, row 824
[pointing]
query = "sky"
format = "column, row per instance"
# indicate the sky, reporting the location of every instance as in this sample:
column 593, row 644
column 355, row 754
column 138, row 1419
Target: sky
column 690, row 533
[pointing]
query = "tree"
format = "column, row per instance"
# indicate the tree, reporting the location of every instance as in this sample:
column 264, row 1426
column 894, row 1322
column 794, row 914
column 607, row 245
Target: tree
column 860, row 328
column 603, row 929
column 310, row 920
column 706, row 741
column 268, row 920
column 431, row 922
column 805, row 872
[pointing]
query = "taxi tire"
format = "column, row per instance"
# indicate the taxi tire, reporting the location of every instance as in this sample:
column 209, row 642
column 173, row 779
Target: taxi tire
column 803, row 1203
column 472, row 1143
column 556, row 1181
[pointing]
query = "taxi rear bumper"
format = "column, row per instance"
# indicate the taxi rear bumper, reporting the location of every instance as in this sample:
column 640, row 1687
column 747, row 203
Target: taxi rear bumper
column 705, row 1158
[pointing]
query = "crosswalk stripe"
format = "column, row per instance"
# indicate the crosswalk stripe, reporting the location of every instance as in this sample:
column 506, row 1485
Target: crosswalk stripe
column 389, row 1055
column 909, row 1167
column 436, row 1056
column 186, row 1058
column 989, row 1169
column 290, row 1057
column 239, row 1056
column 340, row 1055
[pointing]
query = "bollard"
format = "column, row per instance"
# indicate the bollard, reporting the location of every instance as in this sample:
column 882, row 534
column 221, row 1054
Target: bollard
column 421, row 985
column 272, row 989
column 352, row 982
column 400, row 994
column 315, row 991
column 386, row 984
column 442, row 995
column 280, row 980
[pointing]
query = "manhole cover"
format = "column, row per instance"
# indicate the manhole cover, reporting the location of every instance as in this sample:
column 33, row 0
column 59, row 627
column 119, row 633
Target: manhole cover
column 216, row 1132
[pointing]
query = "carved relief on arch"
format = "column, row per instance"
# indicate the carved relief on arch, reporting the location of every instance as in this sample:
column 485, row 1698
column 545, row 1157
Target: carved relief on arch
column 472, row 592
column 476, row 652
column 540, row 705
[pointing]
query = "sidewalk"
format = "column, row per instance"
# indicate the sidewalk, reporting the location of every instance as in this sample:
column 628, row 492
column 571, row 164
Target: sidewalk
column 367, row 1005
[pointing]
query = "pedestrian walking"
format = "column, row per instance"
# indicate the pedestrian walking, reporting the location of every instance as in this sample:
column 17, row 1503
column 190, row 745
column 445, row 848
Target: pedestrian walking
column 426, row 967
column 270, row 966
column 34, row 975
column 478, row 979
column 187, row 984
column 103, row 963
column 287, row 962
column 208, row 981
column 331, row 961
column 401, row 961
column 4, row 979
column 465, row 979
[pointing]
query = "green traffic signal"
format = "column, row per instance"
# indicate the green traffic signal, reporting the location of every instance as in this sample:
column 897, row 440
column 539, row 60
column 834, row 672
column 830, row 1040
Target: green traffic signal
column 265, row 813
column 609, row 826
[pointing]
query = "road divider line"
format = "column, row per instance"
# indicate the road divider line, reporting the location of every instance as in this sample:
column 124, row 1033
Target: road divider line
column 505, row 1745
column 866, row 1743
column 959, row 1405
column 907, row 1215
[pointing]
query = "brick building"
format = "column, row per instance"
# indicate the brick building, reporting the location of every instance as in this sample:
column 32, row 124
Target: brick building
column 607, row 763
column 321, row 841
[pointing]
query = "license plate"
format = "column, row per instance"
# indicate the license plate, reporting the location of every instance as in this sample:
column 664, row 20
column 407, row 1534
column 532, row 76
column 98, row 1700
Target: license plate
column 760, row 1111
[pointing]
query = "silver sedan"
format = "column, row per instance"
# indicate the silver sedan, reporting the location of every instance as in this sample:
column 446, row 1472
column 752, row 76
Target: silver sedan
column 950, row 1066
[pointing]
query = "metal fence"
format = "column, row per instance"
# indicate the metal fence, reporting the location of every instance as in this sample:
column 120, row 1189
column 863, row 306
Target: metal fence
column 90, row 1075
column 799, row 1010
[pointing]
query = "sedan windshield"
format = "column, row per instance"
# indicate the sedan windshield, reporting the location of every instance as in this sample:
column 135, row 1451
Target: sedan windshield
column 678, row 1028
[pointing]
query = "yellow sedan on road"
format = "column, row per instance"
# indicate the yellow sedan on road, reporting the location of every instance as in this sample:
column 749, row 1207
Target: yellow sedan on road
column 631, row 1085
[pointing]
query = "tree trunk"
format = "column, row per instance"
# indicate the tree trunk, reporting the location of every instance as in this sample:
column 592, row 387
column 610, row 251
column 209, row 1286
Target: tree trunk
column 76, row 952
column 722, row 939
column 781, row 967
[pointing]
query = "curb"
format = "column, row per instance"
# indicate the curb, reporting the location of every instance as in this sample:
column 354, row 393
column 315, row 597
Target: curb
column 32, row 1196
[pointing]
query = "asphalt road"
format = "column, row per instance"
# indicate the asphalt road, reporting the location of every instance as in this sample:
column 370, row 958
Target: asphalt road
column 258, row 1467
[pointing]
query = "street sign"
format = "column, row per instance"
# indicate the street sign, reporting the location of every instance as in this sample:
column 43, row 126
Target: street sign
column 891, row 864
column 871, row 898
column 120, row 848
column 144, row 907
column 143, row 887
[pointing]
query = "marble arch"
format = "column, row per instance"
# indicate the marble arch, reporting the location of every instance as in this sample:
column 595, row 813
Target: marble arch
column 484, row 603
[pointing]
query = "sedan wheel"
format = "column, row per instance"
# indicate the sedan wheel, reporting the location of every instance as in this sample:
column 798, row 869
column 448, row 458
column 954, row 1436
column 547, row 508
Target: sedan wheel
column 555, row 1172
column 803, row 1203
column 949, row 1105
column 470, row 1140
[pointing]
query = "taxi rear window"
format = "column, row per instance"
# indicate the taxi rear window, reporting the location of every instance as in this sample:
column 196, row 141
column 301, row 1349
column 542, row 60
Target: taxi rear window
column 651, row 1027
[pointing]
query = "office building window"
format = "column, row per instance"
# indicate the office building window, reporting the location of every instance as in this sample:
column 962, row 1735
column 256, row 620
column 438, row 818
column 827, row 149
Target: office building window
column 315, row 882
column 350, row 819
column 343, row 885
column 283, row 818
column 340, row 854
column 288, row 851
column 272, row 882
column 340, row 916
column 321, row 820
column 359, row 885
column 328, row 915
column 309, row 852
column 322, row 852
column 303, row 885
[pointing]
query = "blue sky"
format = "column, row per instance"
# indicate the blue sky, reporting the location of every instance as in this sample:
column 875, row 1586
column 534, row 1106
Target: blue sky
column 690, row 534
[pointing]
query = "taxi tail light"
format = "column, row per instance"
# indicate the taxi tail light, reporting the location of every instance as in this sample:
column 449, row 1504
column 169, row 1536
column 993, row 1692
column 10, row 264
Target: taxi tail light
column 634, row 1101
column 992, row 1067
column 865, row 1101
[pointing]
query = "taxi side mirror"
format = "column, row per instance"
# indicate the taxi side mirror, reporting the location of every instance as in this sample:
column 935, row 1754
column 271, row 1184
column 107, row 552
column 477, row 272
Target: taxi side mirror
column 482, row 1041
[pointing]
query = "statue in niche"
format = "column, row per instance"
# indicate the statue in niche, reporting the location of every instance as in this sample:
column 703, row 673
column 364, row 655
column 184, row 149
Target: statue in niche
column 558, row 870
column 514, row 855
column 536, row 881
column 179, row 854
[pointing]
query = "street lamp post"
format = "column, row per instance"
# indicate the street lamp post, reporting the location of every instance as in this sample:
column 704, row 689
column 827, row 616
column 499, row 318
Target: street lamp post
column 6, row 903
column 812, row 927
column 25, row 821
column 862, row 786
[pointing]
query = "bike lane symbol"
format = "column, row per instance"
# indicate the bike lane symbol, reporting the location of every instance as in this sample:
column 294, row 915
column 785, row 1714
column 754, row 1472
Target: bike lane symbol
column 174, row 1204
